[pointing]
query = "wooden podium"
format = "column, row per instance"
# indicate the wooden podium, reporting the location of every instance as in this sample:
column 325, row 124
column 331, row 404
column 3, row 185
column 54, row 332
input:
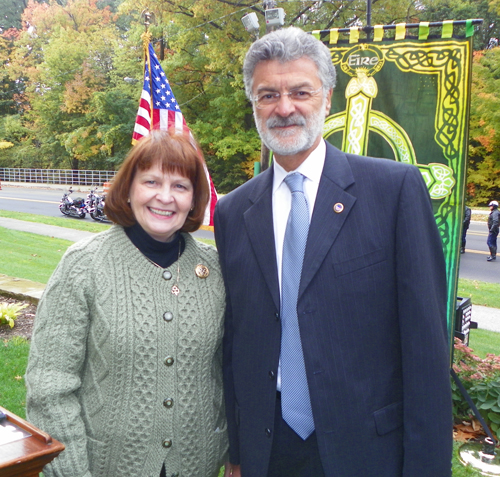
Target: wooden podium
column 24, row 449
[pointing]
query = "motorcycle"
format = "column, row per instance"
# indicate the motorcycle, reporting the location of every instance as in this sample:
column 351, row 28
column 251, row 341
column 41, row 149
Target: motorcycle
column 72, row 207
column 95, row 205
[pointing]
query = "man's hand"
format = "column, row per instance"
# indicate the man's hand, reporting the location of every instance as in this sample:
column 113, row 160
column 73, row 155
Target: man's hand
column 231, row 470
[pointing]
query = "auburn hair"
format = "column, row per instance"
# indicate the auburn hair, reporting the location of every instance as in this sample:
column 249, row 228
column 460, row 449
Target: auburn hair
column 173, row 153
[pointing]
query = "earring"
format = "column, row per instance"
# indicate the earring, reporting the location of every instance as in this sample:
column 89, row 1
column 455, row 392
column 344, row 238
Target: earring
column 128, row 200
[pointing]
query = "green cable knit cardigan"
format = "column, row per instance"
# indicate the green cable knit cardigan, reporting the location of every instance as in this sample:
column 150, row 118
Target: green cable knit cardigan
column 124, row 373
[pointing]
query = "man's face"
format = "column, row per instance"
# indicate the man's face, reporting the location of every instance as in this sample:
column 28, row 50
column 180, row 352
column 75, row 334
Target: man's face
column 289, row 127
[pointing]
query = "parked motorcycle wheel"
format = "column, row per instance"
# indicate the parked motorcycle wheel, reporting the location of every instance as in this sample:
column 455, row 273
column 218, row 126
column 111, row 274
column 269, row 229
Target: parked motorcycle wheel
column 81, row 214
column 64, row 210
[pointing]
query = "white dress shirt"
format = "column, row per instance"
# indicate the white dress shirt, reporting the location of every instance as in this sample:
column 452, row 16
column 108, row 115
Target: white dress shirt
column 311, row 169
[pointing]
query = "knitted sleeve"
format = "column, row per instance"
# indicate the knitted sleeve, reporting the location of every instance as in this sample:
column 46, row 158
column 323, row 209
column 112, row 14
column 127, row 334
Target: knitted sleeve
column 56, row 357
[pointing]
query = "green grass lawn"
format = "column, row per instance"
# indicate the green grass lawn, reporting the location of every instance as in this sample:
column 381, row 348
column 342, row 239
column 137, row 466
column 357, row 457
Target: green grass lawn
column 34, row 257
column 13, row 358
column 29, row 256
column 484, row 341
column 480, row 293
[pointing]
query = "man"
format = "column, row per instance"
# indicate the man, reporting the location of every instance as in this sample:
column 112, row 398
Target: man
column 371, row 367
column 465, row 227
column 493, row 221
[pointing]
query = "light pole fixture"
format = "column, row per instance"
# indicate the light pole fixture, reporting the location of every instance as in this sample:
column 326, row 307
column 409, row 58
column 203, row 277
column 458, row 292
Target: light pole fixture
column 251, row 22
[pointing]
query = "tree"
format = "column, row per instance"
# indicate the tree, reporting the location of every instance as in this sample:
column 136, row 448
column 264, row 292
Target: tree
column 484, row 149
column 10, row 13
column 73, row 114
column 439, row 10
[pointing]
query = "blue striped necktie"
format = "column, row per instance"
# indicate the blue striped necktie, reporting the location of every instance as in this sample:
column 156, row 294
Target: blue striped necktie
column 295, row 401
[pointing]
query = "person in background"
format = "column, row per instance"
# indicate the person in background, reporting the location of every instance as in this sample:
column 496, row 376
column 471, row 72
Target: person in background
column 125, row 362
column 465, row 227
column 493, row 223
column 336, row 351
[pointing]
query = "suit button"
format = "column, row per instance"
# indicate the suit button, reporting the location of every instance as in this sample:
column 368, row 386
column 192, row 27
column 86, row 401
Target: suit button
column 169, row 361
column 169, row 402
column 268, row 432
column 168, row 316
column 167, row 443
column 271, row 375
column 277, row 316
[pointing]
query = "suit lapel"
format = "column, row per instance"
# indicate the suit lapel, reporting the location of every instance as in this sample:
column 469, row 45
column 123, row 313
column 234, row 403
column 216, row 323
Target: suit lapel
column 259, row 225
column 326, row 223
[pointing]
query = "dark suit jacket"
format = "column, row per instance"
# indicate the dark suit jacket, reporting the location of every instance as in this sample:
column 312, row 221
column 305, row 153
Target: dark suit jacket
column 372, row 317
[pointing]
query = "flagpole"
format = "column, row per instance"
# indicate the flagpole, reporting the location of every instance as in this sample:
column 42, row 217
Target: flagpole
column 146, row 40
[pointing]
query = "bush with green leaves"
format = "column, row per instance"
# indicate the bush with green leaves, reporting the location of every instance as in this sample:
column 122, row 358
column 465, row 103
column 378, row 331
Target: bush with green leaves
column 481, row 379
column 9, row 312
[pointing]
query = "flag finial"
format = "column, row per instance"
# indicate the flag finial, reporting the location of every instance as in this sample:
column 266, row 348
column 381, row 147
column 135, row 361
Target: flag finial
column 149, row 18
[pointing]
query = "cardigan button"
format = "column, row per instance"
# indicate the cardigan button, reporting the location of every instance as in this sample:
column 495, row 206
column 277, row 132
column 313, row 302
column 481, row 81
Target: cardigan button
column 168, row 316
column 167, row 274
column 175, row 475
column 167, row 443
column 169, row 402
column 169, row 361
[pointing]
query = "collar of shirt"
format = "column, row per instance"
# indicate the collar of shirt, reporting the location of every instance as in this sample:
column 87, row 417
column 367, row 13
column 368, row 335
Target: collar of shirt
column 311, row 169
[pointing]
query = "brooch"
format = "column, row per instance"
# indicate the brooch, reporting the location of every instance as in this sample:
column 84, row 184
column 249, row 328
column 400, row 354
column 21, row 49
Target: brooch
column 201, row 271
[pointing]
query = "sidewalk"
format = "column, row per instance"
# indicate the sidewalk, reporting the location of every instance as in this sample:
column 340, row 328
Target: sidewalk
column 486, row 318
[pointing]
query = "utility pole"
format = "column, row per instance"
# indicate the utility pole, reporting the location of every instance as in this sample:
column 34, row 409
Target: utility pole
column 264, row 150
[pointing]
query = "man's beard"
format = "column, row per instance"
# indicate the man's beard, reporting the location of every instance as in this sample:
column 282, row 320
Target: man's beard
column 293, row 141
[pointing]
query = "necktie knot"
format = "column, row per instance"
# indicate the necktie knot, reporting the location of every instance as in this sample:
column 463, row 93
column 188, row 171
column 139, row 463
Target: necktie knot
column 295, row 182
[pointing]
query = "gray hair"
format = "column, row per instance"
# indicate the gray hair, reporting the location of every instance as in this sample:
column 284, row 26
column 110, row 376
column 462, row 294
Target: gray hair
column 289, row 44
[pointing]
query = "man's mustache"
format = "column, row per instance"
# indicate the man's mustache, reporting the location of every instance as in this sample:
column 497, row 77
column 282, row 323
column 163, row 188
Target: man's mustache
column 279, row 122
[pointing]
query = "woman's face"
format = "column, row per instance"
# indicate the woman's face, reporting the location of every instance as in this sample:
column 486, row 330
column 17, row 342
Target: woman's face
column 160, row 202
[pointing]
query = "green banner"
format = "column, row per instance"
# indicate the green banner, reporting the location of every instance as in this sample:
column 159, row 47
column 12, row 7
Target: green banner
column 408, row 100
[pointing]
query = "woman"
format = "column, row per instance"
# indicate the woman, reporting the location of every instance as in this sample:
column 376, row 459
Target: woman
column 125, row 361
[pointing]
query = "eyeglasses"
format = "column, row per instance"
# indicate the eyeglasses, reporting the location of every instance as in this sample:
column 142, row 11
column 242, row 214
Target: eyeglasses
column 299, row 95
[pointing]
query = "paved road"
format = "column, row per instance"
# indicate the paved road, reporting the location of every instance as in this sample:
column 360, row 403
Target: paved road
column 473, row 264
column 46, row 202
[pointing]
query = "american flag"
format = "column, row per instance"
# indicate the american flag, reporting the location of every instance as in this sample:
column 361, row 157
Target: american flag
column 158, row 109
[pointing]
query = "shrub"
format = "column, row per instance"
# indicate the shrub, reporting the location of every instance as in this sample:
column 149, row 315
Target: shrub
column 481, row 379
column 9, row 312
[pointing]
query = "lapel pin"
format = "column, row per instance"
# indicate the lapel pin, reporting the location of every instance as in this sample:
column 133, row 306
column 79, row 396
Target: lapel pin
column 201, row 271
column 338, row 208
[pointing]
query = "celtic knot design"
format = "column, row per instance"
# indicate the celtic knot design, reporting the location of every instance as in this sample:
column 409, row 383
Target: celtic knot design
column 448, row 64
